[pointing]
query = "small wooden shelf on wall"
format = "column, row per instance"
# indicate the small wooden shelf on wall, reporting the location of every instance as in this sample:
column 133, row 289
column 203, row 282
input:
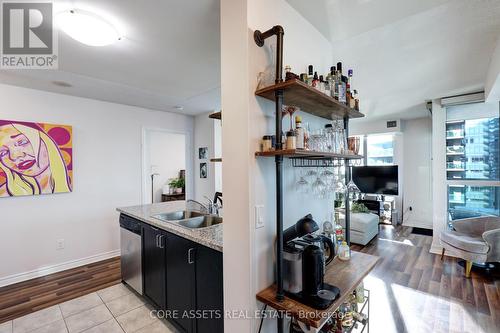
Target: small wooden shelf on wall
column 216, row 115
column 298, row 153
column 310, row 100
column 219, row 159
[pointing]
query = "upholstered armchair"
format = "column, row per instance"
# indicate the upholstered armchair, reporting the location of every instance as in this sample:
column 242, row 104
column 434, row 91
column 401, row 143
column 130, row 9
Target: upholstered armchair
column 475, row 239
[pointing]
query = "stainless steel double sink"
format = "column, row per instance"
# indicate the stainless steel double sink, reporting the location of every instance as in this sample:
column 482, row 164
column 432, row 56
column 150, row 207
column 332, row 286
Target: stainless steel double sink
column 190, row 219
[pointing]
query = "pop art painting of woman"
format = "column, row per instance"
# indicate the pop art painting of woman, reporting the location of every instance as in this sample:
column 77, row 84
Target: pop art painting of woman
column 35, row 158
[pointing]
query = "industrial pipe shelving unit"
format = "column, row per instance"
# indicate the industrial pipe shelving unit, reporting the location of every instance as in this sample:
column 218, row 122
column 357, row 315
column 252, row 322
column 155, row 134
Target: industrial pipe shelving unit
column 311, row 101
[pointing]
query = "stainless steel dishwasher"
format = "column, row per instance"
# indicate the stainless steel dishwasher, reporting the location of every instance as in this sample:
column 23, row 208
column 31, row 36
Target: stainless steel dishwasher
column 131, row 252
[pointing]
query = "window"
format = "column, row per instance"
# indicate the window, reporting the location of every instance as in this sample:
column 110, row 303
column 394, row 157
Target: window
column 470, row 201
column 472, row 160
column 380, row 149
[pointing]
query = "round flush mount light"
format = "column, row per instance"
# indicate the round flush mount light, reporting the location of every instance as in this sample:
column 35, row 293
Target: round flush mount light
column 87, row 27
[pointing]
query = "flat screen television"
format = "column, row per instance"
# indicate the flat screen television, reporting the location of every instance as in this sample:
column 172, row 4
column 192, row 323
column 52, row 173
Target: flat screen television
column 376, row 179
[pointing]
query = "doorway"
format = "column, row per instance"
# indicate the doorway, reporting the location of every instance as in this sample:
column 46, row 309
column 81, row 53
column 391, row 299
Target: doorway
column 164, row 159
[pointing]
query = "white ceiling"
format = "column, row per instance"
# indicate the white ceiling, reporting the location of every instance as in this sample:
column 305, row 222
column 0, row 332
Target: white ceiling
column 170, row 57
column 405, row 52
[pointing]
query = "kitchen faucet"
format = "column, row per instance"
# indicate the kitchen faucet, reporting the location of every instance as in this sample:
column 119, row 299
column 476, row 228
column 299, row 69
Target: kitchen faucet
column 213, row 205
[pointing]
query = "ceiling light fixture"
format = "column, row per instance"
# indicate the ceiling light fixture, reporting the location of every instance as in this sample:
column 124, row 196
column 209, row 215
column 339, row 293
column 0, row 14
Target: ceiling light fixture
column 87, row 28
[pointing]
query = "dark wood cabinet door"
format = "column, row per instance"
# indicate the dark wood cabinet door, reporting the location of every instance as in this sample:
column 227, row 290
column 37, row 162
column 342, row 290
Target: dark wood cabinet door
column 153, row 267
column 181, row 280
column 209, row 289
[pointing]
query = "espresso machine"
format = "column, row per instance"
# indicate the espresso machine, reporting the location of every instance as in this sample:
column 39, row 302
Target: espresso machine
column 305, row 257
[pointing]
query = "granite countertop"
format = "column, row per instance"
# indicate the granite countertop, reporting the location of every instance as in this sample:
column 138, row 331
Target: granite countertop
column 210, row 237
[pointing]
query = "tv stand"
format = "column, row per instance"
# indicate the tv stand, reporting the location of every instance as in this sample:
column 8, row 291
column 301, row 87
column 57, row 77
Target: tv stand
column 375, row 206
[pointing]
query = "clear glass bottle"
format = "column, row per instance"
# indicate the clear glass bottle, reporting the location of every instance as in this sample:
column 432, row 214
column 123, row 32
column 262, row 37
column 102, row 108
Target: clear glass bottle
column 310, row 75
column 330, row 78
column 315, row 81
column 299, row 133
column 344, row 251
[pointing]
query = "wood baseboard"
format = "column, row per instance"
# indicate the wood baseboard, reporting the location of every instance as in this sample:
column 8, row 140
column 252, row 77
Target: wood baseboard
column 47, row 270
column 19, row 299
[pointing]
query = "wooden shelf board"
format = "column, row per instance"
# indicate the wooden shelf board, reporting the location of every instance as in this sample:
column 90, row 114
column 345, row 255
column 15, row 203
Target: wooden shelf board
column 216, row 115
column 216, row 159
column 310, row 100
column 346, row 275
column 298, row 153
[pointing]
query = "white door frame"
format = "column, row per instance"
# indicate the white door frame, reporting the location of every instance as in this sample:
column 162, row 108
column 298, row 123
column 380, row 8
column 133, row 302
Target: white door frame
column 145, row 174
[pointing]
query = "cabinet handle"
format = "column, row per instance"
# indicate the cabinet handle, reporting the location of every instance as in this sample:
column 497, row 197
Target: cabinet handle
column 157, row 242
column 190, row 259
column 160, row 240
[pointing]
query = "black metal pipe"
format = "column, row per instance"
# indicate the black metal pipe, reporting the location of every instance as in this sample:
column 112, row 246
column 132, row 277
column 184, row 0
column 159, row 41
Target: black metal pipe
column 259, row 38
column 347, row 180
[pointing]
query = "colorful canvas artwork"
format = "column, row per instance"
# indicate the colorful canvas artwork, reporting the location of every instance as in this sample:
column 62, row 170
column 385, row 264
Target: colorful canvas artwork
column 35, row 158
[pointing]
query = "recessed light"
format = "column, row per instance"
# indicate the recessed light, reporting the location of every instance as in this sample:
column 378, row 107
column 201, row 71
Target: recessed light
column 62, row 84
column 179, row 107
column 88, row 28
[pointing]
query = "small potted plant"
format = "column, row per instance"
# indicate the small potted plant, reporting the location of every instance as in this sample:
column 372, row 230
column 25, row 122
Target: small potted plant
column 177, row 184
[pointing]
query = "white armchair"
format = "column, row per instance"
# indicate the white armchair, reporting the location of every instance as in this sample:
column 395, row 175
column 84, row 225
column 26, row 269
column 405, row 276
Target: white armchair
column 475, row 239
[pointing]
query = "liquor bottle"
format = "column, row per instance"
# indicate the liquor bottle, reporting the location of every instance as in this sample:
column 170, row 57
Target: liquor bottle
column 330, row 78
column 321, row 85
column 310, row 75
column 338, row 82
column 356, row 100
column 343, row 89
column 315, row 81
column 299, row 133
column 327, row 86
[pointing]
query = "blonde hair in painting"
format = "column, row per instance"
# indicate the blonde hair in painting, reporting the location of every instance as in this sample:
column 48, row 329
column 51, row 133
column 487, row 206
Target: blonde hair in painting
column 18, row 185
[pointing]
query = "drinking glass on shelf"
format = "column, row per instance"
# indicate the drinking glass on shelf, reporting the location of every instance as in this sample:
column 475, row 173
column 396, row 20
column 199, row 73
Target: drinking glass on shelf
column 311, row 175
column 328, row 177
column 339, row 186
column 353, row 144
column 302, row 185
column 319, row 188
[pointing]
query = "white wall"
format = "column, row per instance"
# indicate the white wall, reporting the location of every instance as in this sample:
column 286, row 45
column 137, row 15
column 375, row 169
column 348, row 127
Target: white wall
column 439, row 189
column 204, row 136
column 412, row 153
column 107, row 174
column 492, row 84
column 165, row 154
column 417, row 190
column 248, row 181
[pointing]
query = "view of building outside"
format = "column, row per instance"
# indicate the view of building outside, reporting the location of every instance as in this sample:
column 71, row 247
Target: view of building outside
column 472, row 154
column 380, row 149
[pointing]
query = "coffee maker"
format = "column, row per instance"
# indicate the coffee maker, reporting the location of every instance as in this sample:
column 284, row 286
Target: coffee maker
column 305, row 257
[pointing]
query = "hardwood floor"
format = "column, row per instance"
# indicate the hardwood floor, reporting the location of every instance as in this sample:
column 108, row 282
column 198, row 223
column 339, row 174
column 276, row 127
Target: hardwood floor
column 26, row 297
column 414, row 291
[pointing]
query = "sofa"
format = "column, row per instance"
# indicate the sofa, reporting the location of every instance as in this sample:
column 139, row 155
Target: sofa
column 364, row 227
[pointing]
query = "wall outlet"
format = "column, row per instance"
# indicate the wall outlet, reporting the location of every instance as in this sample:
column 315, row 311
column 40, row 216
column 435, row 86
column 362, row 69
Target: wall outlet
column 60, row 244
column 259, row 217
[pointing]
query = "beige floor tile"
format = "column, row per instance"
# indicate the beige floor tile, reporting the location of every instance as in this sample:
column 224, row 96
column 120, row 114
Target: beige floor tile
column 113, row 292
column 55, row 327
column 37, row 319
column 136, row 319
column 158, row 327
column 80, row 304
column 6, row 327
column 124, row 304
column 111, row 326
column 87, row 319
